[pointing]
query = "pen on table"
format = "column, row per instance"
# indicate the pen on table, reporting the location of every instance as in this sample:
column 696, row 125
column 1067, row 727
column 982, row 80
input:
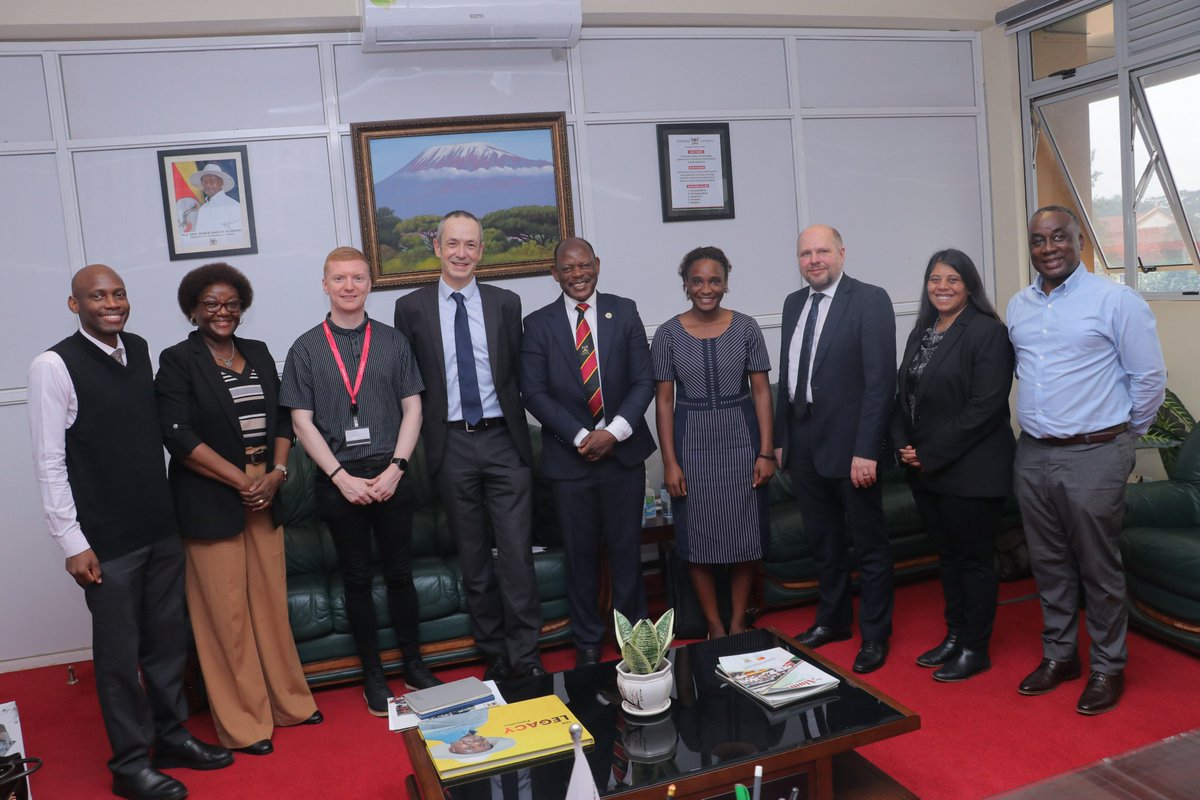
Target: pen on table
column 756, row 794
column 740, row 792
column 795, row 795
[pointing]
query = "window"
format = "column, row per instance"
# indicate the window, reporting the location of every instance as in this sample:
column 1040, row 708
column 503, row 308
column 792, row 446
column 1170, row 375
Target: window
column 1067, row 44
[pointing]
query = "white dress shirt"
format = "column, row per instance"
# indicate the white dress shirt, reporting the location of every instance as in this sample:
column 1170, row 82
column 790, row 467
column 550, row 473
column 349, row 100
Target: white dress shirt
column 617, row 426
column 447, row 308
column 798, row 339
column 53, row 407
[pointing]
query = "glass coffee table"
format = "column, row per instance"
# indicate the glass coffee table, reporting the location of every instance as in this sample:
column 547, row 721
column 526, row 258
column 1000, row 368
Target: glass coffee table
column 711, row 737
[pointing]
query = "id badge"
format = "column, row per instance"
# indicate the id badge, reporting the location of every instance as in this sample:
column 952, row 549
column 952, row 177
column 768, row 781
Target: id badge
column 357, row 437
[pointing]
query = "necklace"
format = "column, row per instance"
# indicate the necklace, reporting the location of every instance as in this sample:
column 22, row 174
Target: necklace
column 228, row 362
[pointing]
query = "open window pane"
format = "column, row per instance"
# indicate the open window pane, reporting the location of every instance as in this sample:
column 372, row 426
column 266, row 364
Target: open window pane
column 1069, row 43
column 1082, row 136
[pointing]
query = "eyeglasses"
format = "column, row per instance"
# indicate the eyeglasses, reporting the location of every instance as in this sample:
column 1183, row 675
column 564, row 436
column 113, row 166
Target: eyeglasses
column 230, row 306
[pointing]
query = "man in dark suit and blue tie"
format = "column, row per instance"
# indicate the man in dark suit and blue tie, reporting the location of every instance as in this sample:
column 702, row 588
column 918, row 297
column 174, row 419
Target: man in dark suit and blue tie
column 836, row 389
column 585, row 375
column 467, row 338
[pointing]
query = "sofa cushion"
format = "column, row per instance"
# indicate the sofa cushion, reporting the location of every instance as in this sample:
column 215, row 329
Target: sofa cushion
column 309, row 611
column 1167, row 558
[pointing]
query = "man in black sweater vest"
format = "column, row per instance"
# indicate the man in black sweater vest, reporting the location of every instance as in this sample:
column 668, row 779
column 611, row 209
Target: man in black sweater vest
column 98, row 457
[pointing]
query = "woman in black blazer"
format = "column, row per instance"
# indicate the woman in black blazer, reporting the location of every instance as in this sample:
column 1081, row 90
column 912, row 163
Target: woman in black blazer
column 218, row 399
column 952, row 432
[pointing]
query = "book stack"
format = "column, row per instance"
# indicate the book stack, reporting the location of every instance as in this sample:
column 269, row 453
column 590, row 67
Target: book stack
column 456, row 697
column 499, row 737
column 774, row 677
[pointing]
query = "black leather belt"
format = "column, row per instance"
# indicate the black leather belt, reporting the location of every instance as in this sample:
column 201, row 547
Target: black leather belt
column 258, row 456
column 1095, row 437
column 482, row 425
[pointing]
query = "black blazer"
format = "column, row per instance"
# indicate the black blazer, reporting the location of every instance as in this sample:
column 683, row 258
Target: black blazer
column 853, row 378
column 553, row 388
column 194, row 406
column 962, row 433
column 417, row 318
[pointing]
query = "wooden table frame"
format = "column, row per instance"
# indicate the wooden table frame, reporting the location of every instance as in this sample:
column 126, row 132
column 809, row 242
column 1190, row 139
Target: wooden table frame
column 808, row 765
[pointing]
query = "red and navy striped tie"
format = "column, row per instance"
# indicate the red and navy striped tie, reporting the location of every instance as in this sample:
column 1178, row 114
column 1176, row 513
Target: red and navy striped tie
column 589, row 364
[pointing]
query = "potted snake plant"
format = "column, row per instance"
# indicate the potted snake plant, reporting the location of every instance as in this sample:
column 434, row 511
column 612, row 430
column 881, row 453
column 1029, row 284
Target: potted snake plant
column 644, row 675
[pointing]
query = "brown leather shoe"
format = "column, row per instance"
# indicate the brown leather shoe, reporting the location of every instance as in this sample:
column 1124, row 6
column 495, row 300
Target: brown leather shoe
column 1049, row 675
column 1102, row 693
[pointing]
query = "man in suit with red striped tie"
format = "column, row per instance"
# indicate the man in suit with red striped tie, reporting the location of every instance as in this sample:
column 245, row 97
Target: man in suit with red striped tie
column 585, row 375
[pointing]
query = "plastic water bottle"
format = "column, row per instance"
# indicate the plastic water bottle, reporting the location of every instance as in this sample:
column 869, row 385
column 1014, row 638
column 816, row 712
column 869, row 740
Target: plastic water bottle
column 665, row 496
column 649, row 509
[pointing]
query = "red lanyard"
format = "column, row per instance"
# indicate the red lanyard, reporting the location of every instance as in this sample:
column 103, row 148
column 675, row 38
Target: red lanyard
column 362, row 366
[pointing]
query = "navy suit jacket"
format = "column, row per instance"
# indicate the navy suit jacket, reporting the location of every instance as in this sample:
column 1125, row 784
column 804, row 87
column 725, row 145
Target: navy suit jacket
column 553, row 388
column 962, row 433
column 853, row 378
column 417, row 318
column 194, row 407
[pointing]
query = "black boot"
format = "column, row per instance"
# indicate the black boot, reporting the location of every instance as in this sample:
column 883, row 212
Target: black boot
column 963, row 666
column 375, row 687
column 942, row 654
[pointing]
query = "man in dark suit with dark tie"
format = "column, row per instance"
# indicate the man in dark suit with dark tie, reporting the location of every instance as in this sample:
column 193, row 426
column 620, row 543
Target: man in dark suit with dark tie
column 836, row 388
column 585, row 375
column 467, row 338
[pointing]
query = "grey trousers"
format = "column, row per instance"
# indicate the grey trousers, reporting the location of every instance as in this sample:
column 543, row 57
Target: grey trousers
column 1072, row 502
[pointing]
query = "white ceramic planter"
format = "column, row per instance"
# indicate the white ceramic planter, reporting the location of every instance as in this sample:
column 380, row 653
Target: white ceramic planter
column 646, row 695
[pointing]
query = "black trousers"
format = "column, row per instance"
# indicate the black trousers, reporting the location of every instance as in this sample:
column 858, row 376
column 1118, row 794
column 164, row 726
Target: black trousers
column 836, row 515
column 138, row 621
column 963, row 530
column 485, row 487
column 602, row 513
column 353, row 527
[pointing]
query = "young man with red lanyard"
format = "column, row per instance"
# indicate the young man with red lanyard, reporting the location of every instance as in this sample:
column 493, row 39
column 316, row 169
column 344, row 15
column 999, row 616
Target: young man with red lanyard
column 354, row 389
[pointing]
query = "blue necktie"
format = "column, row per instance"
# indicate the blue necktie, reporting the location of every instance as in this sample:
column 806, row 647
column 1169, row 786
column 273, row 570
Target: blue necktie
column 810, row 329
column 468, row 380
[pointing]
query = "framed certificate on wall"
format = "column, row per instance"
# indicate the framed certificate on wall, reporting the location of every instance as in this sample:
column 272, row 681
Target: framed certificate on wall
column 695, row 171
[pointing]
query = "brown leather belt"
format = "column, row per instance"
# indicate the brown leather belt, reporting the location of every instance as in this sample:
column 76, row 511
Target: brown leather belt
column 1095, row 437
column 256, row 456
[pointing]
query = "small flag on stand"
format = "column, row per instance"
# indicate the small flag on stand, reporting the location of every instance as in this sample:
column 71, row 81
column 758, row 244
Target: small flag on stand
column 581, row 787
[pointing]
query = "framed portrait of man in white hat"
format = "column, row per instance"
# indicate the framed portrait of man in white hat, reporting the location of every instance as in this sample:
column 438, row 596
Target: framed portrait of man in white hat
column 206, row 202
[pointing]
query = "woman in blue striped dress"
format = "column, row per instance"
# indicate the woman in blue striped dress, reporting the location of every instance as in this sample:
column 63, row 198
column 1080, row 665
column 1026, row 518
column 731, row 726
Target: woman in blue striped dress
column 713, row 408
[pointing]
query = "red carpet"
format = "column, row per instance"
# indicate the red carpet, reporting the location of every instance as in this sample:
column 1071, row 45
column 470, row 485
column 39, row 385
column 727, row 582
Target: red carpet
column 978, row 738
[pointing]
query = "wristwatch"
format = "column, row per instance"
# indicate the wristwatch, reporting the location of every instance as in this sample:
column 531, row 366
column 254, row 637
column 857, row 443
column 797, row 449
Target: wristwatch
column 282, row 468
column 402, row 463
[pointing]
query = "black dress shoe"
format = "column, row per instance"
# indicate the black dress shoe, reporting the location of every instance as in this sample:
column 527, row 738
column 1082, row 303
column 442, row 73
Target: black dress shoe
column 1049, row 675
column 262, row 748
column 944, row 653
column 1102, row 694
column 587, row 656
column 149, row 784
column 818, row 635
column 418, row 676
column 533, row 671
column 191, row 754
column 316, row 719
column 871, row 656
column 965, row 664
column 498, row 668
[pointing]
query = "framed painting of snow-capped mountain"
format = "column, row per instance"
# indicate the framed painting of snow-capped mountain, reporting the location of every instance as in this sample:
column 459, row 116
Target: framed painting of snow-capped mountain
column 509, row 171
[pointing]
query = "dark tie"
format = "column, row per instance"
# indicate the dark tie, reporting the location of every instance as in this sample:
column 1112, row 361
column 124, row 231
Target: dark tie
column 805, row 366
column 468, row 380
column 589, row 364
column 119, row 355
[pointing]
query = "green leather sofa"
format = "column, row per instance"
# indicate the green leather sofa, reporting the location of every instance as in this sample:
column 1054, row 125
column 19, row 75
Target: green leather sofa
column 316, row 606
column 1160, row 545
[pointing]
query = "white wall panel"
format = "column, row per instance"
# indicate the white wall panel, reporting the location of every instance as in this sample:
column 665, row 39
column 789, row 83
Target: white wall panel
column 624, row 75
column 384, row 86
column 293, row 210
column 898, row 190
column 141, row 94
column 26, row 115
column 878, row 73
column 640, row 254
column 33, row 260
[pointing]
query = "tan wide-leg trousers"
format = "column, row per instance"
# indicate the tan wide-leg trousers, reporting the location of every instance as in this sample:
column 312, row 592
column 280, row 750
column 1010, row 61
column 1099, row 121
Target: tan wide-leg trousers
column 237, row 601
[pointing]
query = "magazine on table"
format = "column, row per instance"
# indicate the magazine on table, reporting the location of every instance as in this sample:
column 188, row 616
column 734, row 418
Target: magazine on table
column 497, row 737
column 401, row 717
column 776, row 677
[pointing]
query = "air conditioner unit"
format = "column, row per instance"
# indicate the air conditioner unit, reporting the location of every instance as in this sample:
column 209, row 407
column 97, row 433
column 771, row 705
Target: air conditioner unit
column 398, row 25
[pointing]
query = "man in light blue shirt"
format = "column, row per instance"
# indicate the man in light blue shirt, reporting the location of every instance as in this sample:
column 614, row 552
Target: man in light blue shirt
column 1090, row 378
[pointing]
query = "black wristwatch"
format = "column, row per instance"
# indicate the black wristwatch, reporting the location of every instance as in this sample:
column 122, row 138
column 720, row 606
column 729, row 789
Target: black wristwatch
column 402, row 463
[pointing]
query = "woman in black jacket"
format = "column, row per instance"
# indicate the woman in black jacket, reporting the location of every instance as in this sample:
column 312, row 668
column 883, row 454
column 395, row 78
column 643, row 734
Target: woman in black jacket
column 218, row 398
column 951, row 430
